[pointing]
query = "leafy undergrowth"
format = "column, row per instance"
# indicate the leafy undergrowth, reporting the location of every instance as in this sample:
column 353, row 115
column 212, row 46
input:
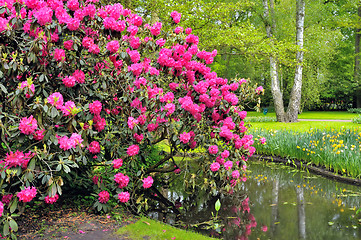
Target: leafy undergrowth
column 146, row 228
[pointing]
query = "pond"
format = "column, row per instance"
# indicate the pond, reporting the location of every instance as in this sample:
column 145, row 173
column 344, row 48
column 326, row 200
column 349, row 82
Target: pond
column 278, row 202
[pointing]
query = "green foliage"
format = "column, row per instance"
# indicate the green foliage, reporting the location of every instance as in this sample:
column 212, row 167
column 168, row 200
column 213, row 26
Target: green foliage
column 357, row 119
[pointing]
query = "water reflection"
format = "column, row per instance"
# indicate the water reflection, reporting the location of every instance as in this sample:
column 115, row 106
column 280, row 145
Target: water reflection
column 277, row 202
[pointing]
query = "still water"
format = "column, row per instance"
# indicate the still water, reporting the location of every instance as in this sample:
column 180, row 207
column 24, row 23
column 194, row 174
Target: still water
column 278, row 202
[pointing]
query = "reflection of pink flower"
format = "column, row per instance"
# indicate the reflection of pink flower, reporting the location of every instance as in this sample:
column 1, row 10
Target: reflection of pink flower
column 264, row 228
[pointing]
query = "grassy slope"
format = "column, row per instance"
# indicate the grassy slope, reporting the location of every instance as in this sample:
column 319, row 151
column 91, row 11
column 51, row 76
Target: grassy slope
column 304, row 125
column 312, row 115
column 147, row 228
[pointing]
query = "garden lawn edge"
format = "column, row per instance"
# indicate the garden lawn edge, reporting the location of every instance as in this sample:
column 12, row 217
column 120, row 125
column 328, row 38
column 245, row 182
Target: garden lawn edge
column 146, row 228
column 310, row 167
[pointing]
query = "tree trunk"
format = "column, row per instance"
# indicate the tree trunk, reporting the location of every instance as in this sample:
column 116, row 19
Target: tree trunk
column 357, row 60
column 275, row 84
column 295, row 98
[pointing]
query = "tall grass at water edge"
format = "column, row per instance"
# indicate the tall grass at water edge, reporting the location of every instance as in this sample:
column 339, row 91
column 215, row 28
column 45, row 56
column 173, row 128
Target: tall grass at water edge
column 336, row 149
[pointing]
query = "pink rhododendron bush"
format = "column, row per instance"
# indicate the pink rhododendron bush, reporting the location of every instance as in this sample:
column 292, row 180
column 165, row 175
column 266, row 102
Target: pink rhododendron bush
column 87, row 92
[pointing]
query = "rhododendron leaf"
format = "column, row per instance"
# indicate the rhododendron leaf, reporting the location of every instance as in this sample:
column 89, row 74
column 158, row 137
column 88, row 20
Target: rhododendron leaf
column 66, row 169
column 13, row 225
column 53, row 189
column 13, row 205
column 6, row 229
column 217, row 206
column 3, row 87
column 53, row 112
column 31, row 165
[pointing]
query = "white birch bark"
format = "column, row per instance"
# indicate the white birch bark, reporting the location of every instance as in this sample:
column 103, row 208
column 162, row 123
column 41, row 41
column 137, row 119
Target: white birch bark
column 295, row 98
column 275, row 84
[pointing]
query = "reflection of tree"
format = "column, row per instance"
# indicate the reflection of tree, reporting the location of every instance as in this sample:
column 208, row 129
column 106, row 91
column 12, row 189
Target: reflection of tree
column 274, row 216
column 301, row 213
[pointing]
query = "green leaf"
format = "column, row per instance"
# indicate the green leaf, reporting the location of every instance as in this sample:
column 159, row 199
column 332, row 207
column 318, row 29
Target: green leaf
column 6, row 229
column 3, row 88
column 14, row 205
column 217, row 206
column 330, row 223
column 13, row 225
column 31, row 165
column 54, row 112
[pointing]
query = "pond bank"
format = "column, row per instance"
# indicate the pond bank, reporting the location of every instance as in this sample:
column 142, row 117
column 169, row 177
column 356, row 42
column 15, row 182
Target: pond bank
column 310, row 167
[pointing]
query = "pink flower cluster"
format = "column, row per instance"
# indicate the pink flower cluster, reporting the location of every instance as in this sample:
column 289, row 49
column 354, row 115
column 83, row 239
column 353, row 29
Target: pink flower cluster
column 94, row 147
column 1, row 208
column 147, row 182
column 95, row 107
column 51, row 200
column 28, row 125
column 18, row 159
column 121, row 179
column 103, row 197
column 66, row 143
column 27, row 194
column 133, row 150
column 117, row 163
column 215, row 166
column 213, row 149
column 123, row 197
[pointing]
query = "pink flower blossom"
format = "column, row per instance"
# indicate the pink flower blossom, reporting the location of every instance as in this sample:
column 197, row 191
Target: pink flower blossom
column 117, row 163
column 215, row 167
column 185, row 137
column 178, row 30
column 1, row 208
column 95, row 107
column 133, row 150
column 259, row 90
column 123, row 197
column 18, row 159
column 228, row 165
column 138, row 137
column 160, row 42
column 121, row 179
column 44, row 15
column 132, row 122
column 69, row 108
column 4, row 23
column 225, row 154
column 28, row 125
column 242, row 114
column 73, row 5
column 79, row 76
column 113, row 46
column 235, row 174
column 94, row 147
column 87, row 42
column 69, row 81
column 56, row 99
column 147, row 182
column 68, row 44
column 73, row 24
column 27, row 194
column 103, row 197
column 213, row 149
column 155, row 29
column 262, row 140
column 176, row 16
column 6, row 198
column 188, row 31
column 59, row 55
column 264, row 228
column 51, row 200
column 38, row 135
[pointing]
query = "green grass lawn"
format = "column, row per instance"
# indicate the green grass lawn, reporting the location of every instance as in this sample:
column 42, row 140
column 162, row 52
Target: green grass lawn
column 146, row 228
column 304, row 125
column 312, row 115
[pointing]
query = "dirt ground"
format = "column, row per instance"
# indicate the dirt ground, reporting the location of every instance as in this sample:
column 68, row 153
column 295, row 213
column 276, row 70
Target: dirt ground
column 71, row 224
